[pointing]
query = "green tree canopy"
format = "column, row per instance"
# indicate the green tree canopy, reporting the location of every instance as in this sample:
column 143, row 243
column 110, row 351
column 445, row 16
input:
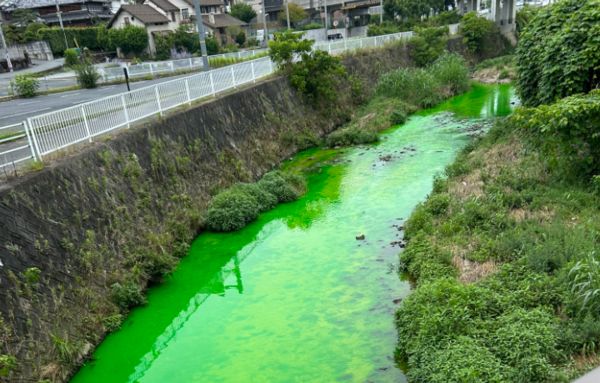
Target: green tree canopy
column 130, row 39
column 297, row 14
column 243, row 12
column 415, row 9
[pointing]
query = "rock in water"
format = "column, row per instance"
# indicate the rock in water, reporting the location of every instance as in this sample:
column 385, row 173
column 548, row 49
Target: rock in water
column 360, row 237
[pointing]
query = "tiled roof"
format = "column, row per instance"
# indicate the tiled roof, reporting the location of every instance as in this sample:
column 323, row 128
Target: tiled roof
column 222, row 20
column 165, row 5
column 206, row 3
column 144, row 13
column 29, row 4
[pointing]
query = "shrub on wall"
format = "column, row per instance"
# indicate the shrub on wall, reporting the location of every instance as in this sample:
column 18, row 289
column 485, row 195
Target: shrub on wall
column 475, row 30
column 428, row 45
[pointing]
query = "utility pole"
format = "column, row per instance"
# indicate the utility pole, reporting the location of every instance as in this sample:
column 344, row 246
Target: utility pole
column 201, row 35
column 381, row 13
column 266, row 32
column 326, row 20
column 7, row 55
column 287, row 13
column 59, row 14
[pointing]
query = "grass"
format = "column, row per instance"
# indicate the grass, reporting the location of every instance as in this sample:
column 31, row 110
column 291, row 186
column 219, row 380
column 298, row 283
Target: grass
column 504, row 254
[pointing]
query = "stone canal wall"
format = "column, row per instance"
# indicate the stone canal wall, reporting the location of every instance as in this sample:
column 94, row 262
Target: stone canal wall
column 81, row 237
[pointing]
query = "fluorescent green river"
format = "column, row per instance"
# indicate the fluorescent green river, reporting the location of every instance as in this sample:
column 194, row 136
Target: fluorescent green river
column 295, row 297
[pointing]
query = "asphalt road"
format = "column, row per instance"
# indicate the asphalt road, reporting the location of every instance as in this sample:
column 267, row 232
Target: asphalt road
column 15, row 111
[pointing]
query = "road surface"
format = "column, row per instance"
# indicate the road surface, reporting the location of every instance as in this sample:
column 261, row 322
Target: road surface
column 15, row 111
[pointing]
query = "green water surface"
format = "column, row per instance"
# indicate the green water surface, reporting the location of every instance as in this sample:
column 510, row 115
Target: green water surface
column 295, row 297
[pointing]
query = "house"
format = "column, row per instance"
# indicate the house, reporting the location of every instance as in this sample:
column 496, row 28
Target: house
column 73, row 12
column 165, row 16
column 140, row 15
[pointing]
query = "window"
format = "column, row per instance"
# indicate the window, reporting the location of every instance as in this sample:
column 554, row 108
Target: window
column 172, row 16
column 126, row 20
column 185, row 13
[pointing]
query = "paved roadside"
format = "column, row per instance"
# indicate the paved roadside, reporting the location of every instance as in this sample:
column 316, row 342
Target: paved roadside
column 15, row 111
column 591, row 377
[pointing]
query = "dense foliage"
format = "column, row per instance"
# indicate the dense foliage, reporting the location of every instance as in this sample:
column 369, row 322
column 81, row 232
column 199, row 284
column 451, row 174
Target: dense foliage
column 297, row 14
column 286, row 46
column 571, row 142
column 83, row 37
column 243, row 12
column 475, row 30
column 558, row 53
column 25, row 85
column 235, row 207
column 428, row 45
column 416, row 9
column 87, row 75
column 71, row 57
column 131, row 39
column 446, row 77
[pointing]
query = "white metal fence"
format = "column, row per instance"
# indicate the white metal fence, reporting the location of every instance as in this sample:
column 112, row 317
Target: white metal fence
column 160, row 67
column 15, row 147
column 46, row 133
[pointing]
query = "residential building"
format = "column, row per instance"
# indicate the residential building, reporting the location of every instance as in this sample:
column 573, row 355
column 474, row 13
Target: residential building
column 165, row 16
column 73, row 12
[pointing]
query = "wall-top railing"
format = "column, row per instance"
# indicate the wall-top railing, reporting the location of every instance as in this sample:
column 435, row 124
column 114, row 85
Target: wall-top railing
column 49, row 132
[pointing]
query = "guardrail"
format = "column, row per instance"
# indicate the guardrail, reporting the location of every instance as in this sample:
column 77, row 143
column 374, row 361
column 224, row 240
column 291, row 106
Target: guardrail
column 160, row 67
column 47, row 133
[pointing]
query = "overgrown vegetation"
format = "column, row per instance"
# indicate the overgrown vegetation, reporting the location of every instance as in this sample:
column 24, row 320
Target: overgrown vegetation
column 428, row 45
column 558, row 52
column 504, row 251
column 25, row 85
column 235, row 207
column 130, row 39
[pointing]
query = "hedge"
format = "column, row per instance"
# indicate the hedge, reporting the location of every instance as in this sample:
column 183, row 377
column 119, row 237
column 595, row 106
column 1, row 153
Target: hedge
column 85, row 37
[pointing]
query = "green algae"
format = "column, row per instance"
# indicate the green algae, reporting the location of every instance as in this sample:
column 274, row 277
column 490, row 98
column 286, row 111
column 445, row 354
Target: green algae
column 294, row 296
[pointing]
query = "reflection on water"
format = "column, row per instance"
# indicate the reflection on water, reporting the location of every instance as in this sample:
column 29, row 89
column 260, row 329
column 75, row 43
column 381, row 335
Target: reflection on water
column 294, row 296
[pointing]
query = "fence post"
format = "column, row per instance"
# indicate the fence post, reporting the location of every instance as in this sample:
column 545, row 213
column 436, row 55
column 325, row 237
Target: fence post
column 361, row 43
column 34, row 138
column 125, row 110
column 239, row 54
column 270, row 66
column 345, row 44
column 212, row 83
column 187, row 91
column 151, row 70
column 33, row 154
column 233, row 76
column 172, row 66
column 85, row 123
column 191, row 63
column 158, row 100
column 252, row 68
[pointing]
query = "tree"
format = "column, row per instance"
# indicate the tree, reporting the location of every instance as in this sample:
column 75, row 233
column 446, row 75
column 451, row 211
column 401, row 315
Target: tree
column 243, row 12
column 130, row 39
column 297, row 14
column 286, row 46
column 475, row 30
column 414, row 9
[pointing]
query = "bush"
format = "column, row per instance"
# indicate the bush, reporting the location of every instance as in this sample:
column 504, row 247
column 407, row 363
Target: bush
column 87, row 75
column 558, row 53
column 452, row 72
column 131, row 39
column 71, row 57
column 428, row 45
column 7, row 364
column 475, row 30
column 351, row 136
column 318, row 76
column 398, row 117
column 463, row 359
column 285, row 186
column 235, row 207
column 25, row 85
column 567, row 133
column 76, row 36
column 127, row 295
column 231, row 210
column 526, row 341
column 243, row 12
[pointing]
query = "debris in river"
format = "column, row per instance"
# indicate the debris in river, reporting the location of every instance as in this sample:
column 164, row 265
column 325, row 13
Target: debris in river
column 360, row 237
